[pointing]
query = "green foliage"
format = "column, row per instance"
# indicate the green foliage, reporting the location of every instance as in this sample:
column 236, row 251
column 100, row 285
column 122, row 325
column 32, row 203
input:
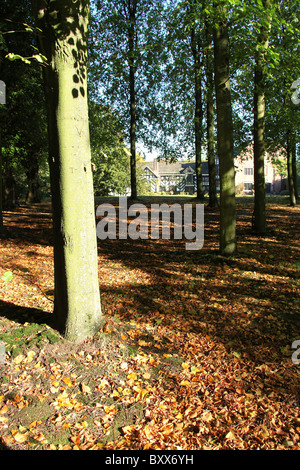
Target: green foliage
column 110, row 59
column 23, row 118
column 110, row 156
column 164, row 82
column 281, row 68
column 280, row 165
column 282, row 113
column 112, row 174
column 38, row 57
column 172, row 113
column 7, row 276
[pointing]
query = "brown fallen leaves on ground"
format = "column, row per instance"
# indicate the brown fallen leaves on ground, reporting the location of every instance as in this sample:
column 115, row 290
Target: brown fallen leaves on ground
column 196, row 350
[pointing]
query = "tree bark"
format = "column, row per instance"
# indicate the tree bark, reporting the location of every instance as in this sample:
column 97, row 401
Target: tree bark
column 228, row 243
column 9, row 190
column 213, row 199
column 196, row 50
column 212, row 174
column 294, row 165
column 260, row 225
column 259, row 153
column 1, row 189
column 291, row 179
column 63, row 40
column 32, row 173
column 132, row 71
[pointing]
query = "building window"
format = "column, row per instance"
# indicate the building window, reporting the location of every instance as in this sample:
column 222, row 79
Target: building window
column 190, row 178
column 248, row 171
column 248, row 186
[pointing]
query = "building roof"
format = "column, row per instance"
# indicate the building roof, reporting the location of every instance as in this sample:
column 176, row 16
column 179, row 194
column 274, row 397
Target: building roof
column 162, row 168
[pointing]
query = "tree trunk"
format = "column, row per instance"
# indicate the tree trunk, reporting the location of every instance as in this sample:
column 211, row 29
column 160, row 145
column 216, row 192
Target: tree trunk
column 34, row 193
column 213, row 199
column 291, row 179
column 259, row 124
column 1, row 189
column 9, row 190
column 63, row 40
column 196, row 50
column 294, row 165
column 132, row 71
column 228, row 244
column 259, row 153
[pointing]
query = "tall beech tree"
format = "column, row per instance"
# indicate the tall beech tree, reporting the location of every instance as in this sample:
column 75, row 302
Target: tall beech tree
column 283, row 118
column 259, row 116
column 210, row 125
column 291, row 164
column 265, row 63
column 228, row 244
column 122, row 48
column 181, row 117
column 63, row 28
column 197, row 48
column 1, row 204
column 132, row 11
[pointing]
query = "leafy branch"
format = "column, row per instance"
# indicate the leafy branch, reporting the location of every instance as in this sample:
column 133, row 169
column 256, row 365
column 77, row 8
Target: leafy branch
column 38, row 57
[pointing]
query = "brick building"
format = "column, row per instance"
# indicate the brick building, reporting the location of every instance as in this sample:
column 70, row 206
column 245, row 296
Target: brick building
column 244, row 173
column 180, row 177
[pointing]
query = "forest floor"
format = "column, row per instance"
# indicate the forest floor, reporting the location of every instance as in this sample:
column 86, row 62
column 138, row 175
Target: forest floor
column 196, row 351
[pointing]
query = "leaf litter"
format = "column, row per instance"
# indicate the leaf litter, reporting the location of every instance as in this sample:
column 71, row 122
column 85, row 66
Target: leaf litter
column 195, row 352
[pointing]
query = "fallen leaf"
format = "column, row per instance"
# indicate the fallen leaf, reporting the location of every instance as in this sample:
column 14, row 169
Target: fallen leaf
column 132, row 376
column 19, row 437
column 68, row 381
column 185, row 383
column 4, row 409
column 75, row 439
column 143, row 343
column 128, row 429
column 85, row 388
column 30, row 356
column 141, row 394
column 207, row 416
column 18, row 359
column 147, row 430
column 34, row 424
column 230, row 436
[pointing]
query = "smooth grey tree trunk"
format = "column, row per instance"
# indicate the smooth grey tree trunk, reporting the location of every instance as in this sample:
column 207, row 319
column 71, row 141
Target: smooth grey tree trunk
column 63, row 40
